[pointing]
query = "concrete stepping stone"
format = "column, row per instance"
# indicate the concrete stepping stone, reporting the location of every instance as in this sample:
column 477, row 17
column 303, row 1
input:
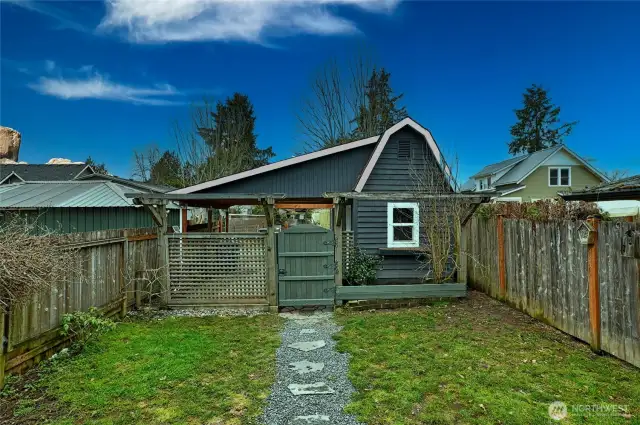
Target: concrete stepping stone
column 307, row 331
column 308, row 389
column 305, row 367
column 308, row 346
column 309, row 420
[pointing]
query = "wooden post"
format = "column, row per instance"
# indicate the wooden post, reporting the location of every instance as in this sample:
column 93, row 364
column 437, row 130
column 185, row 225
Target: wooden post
column 4, row 344
column 502, row 269
column 594, row 288
column 163, row 250
column 226, row 220
column 272, row 263
column 462, row 254
column 124, row 274
column 185, row 221
column 209, row 220
column 338, row 205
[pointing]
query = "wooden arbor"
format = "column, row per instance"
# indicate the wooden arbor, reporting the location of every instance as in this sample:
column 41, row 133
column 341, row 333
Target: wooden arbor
column 156, row 205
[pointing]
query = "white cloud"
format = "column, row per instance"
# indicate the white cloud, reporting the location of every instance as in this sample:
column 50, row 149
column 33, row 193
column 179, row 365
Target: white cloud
column 97, row 86
column 247, row 20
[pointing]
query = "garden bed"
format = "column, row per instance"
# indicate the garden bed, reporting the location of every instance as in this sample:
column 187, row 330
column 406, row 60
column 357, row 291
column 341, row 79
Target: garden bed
column 389, row 292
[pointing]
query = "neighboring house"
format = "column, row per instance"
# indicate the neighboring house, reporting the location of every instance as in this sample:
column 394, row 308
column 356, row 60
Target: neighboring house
column 77, row 206
column 15, row 173
column 620, row 198
column 384, row 163
column 539, row 175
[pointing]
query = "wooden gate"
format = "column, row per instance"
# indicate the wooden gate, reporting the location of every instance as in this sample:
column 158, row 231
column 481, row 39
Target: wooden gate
column 306, row 266
column 217, row 269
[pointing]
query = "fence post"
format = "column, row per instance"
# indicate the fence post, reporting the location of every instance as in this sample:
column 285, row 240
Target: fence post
column 594, row 287
column 502, row 267
column 124, row 274
column 462, row 253
column 337, row 229
column 272, row 280
column 4, row 344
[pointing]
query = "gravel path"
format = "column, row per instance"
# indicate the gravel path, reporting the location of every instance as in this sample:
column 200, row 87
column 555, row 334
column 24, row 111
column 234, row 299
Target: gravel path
column 317, row 363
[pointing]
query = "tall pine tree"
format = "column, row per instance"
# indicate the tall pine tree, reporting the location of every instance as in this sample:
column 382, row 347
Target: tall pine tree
column 232, row 137
column 380, row 109
column 539, row 126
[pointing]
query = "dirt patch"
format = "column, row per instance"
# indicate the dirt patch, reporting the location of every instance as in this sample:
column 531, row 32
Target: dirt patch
column 20, row 397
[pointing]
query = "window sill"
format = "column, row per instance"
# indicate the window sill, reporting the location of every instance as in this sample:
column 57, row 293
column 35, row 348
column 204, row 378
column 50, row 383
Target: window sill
column 400, row 251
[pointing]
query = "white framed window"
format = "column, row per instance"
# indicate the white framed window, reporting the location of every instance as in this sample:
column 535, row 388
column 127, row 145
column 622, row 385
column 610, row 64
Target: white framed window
column 403, row 225
column 559, row 176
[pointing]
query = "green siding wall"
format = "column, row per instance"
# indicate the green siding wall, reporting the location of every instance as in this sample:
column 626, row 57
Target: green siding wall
column 70, row 220
column 538, row 183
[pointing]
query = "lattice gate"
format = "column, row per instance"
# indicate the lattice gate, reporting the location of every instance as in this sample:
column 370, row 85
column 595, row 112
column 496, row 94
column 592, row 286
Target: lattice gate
column 217, row 269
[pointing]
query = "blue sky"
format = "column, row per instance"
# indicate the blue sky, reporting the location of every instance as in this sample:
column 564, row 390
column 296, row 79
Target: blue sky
column 89, row 78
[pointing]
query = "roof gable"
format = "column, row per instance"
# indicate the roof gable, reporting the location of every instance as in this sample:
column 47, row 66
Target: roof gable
column 407, row 122
column 45, row 172
column 533, row 161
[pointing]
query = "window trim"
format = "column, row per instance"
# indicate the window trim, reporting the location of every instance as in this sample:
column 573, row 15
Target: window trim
column 415, row 232
column 559, row 177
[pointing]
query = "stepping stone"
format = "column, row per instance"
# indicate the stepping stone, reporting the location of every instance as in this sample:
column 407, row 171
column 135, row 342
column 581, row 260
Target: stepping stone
column 309, row 420
column 307, row 331
column 306, row 389
column 308, row 346
column 305, row 367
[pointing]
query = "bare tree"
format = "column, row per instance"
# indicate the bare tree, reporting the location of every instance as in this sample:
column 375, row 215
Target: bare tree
column 337, row 94
column 144, row 161
column 440, row 221
column 33, row 259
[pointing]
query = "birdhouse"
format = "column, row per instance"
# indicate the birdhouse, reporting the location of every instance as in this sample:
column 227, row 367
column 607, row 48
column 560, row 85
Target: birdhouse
column 586, row 233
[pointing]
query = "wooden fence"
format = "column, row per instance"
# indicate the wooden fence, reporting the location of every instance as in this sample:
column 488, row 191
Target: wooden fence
column 217, row 269
column 107, row 272
column 545, row 270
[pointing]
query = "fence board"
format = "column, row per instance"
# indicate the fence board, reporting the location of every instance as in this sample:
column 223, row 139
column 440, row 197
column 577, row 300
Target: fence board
column 217, row 269
column 547, row 277
column 94, row 280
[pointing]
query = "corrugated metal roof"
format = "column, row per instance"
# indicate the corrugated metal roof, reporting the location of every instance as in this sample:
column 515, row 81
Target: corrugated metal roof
column 529, row 163
column 42, row 172
column 91, row 194
column 150, row 187
column 494, row 168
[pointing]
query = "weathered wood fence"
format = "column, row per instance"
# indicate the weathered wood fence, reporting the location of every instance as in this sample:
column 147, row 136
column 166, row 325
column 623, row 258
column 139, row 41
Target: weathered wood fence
column 108, row 273
column 589, row 291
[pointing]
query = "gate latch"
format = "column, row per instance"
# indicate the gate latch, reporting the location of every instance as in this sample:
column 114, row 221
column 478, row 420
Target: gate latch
column 282, row 271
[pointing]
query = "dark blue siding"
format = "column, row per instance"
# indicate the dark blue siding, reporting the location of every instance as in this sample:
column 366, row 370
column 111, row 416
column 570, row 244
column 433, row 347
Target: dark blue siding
column 333, row 173
column 392, row 174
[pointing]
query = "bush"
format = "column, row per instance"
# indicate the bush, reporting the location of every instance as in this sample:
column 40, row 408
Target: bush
column 542, row 210
column 362, row 267
column 85, row 326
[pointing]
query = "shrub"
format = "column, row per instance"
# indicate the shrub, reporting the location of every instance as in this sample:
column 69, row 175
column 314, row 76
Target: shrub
column 85, row 326
column 362, row 267
column 542, row 210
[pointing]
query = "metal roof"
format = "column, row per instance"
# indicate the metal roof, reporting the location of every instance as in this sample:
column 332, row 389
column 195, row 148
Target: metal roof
column 498, row 166
column 69, row 194
column 43, row 172
column 628, row 188
column 149, row 187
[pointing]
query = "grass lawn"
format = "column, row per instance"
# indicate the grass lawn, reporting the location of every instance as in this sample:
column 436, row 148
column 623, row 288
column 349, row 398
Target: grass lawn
column 210, row 370
column 477, row 361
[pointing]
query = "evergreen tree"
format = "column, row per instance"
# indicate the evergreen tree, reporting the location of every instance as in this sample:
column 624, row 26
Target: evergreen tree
column 380, row 110
column 232, row 137
column 167, row 170
column 538, row 126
